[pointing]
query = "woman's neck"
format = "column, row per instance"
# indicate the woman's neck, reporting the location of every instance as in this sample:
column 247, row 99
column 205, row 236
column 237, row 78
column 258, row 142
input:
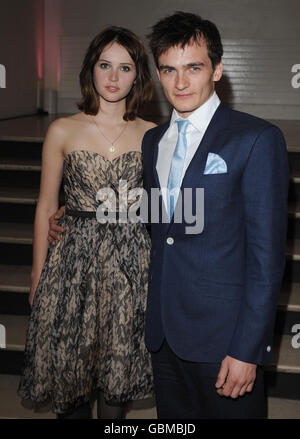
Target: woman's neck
column 111, row 113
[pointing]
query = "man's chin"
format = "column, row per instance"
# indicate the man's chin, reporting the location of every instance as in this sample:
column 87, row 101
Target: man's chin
column 184, row 112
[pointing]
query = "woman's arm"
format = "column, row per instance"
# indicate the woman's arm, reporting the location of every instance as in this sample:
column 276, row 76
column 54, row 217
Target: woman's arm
column 51, row 177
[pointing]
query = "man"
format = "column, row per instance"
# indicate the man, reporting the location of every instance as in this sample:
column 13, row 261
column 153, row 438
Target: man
column 213, row 290
column 213, row 294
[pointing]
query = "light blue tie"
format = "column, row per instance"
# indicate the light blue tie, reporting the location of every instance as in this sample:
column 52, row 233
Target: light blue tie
column 177, row 164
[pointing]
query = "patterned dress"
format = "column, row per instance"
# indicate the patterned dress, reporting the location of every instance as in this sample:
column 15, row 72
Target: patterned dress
column 86, row 328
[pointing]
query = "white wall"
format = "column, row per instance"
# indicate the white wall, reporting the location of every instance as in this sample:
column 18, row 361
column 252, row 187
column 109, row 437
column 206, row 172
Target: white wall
column 21, row 47
column 242, row 18
column 21, row 38
column 252, row 20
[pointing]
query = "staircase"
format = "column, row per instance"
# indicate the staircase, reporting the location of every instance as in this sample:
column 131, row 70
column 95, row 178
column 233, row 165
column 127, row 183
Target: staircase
column 20, row 166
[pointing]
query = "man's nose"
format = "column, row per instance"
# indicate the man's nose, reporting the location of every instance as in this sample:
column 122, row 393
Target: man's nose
column 181, row 81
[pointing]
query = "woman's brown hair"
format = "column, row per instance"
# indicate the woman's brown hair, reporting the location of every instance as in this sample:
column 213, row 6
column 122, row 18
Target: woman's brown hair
column 142, row 89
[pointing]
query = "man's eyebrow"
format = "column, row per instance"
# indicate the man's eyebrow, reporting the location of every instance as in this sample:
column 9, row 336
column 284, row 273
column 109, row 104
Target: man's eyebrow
column 163, row 66
column 191, row 64
column 195, row 64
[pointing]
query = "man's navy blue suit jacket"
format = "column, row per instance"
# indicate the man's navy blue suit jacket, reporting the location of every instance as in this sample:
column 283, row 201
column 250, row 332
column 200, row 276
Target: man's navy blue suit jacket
column 215, row 293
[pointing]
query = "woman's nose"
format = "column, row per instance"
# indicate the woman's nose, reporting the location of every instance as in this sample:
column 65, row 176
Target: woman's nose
column 114, row 75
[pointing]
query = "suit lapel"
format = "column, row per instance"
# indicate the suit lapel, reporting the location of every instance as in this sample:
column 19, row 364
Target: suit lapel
column 218, row 123
column 209, row 143
column 156, row 141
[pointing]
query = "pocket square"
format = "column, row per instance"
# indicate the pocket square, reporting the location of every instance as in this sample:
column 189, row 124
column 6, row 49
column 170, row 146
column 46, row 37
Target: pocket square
column 215, row 164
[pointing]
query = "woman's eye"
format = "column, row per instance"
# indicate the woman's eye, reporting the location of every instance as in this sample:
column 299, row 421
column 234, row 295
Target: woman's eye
column 125, row 68
column 104, row 65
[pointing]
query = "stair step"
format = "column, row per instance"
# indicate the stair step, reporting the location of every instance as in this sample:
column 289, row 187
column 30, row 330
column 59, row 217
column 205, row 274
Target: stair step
column 289, row 298
column 293, row 249
column 294, row 209
column 26, row 148
column 16, row 233
column 29, row 128
column 20, row 164
column 279, row 408
column 293, row 149
column 16, row 330
column 291, row 272
column 15, row 278
column 294, row 159
column 14, row 289
column 295, row 178
column 24, row 195
column 285, row 358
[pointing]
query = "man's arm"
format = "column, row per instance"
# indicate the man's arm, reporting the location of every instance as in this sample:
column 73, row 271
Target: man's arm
column 265, row 189
column 53, row 236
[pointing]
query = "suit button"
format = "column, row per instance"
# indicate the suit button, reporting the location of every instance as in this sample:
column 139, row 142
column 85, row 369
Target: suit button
column 170, row 241
column 268, row 348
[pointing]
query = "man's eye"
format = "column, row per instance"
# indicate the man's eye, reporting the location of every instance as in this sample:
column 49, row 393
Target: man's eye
column 168, row 70
column 195, row 69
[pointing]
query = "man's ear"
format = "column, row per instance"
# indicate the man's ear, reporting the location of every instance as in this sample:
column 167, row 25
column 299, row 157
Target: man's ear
column 218, row 72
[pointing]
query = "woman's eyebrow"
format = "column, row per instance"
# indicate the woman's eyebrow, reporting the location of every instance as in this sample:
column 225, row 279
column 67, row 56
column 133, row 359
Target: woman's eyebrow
column 122, row 63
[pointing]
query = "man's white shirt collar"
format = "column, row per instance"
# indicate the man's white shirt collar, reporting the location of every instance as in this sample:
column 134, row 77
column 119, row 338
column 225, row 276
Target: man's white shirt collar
column 199, row 121
column 201, row 117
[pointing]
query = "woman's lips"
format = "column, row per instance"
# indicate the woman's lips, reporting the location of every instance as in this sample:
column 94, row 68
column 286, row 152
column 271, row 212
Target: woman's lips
column 112, row 89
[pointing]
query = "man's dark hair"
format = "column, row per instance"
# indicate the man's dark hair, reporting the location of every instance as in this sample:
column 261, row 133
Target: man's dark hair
column 181, row 28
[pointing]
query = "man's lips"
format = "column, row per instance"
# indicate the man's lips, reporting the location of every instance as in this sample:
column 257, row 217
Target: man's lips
column 183, row 95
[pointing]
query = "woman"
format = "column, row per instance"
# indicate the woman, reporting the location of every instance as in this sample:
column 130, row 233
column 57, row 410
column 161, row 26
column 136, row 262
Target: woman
column 88, row 293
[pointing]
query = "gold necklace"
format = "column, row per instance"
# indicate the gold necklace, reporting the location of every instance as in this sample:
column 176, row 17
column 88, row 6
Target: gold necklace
column 112, row 144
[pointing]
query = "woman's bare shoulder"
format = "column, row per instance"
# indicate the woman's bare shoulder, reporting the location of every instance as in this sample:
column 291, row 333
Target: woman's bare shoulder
column 63, row 126
column 68, row 121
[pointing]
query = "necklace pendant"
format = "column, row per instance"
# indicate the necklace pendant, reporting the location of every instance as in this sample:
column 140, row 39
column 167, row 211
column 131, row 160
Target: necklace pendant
column 112, row 148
